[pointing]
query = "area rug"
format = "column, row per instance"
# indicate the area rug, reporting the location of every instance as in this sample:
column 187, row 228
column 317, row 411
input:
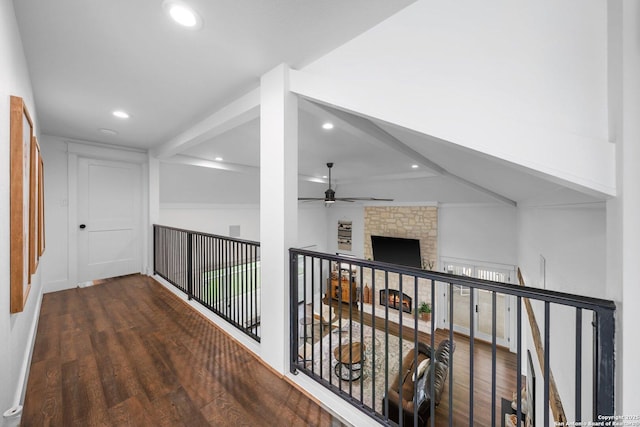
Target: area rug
column 380, row 355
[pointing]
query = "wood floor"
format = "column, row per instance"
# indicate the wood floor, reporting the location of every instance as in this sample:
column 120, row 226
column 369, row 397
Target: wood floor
column 506, row 377
column 129, row 353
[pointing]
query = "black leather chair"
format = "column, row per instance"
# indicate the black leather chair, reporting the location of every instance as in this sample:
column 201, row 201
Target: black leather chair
column 435, row 374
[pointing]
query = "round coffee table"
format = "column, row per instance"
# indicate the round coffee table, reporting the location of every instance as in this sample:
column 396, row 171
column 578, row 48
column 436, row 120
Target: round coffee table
column 305, row 329
column 349, row 359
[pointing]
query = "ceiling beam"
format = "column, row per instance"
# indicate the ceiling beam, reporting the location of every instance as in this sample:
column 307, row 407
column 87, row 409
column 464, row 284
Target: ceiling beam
column 389, row 177
column 368, row 131
column 229, row 167
column 234, row 114
column 195, row 161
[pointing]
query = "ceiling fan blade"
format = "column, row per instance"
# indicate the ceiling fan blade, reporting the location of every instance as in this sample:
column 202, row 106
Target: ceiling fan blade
column 330, row 194
column 352, row 199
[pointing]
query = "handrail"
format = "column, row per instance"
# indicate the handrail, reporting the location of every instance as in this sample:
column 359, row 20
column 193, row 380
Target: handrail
column 202, row 233
column 546, row 295
column 219, row 272
column 314, row 284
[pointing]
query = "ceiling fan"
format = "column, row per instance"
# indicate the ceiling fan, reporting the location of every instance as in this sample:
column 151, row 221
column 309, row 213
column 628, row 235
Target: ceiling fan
column 330, row 194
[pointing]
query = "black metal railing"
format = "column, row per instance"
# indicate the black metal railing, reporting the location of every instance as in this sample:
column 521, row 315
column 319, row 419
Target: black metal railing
column 221, row 273
column 369, row 353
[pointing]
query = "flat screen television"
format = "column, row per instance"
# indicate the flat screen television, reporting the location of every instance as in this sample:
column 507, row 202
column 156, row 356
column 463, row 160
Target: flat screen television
column 396, row 250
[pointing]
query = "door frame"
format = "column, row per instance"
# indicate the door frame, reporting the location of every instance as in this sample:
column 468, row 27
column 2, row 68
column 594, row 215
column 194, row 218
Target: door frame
column 76, row 151
column 510, row 338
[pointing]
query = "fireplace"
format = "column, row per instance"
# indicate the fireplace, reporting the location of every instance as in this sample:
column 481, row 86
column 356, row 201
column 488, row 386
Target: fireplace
column 395, row 299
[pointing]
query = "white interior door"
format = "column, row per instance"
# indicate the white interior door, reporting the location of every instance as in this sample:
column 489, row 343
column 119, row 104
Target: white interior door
column 482, row 304
column 109, row 219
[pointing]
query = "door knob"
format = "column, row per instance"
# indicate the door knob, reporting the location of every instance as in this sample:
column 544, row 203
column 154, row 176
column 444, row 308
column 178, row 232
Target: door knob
column 82, row 226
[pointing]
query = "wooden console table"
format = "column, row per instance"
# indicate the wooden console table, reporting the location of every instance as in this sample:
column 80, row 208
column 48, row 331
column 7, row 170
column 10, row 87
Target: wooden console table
column 341, row 289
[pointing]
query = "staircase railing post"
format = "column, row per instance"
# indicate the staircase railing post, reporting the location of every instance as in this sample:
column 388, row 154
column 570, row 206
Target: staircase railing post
column 604, row 366
column 293, row 309
column 155, row 248
column 190, row 265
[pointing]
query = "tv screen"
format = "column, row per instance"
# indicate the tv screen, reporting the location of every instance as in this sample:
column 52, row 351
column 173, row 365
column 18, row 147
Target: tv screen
column 396, row 250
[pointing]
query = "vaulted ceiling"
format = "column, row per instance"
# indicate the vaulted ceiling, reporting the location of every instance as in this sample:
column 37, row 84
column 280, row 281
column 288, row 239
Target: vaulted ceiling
column 87, row 59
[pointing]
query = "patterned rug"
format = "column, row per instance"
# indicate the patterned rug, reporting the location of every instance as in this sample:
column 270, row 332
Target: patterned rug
column 379, row 354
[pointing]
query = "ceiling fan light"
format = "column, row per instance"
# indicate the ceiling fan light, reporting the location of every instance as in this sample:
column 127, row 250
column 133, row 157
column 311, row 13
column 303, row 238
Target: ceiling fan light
column 329, row 196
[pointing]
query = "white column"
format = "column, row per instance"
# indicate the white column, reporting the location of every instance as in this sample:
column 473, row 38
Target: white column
column 278, row 209
column 629, row 177
column 623, row 223
column 153, row 214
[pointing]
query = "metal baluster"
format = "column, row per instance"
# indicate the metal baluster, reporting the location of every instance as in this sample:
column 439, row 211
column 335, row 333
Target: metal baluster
column 400, row 308
column 386, row 340
column 362, row 334
column 450, row 357
column 578, row 391
column 328, row 296
column 547, row 370
column 493, row 353
column 472, row 320
column 373, row 341
column 415, row 346
column 519, row 358
column 432, row 409
column 293, row 321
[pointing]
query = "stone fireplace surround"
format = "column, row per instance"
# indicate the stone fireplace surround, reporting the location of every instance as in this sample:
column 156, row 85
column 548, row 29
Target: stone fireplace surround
column 412, row 222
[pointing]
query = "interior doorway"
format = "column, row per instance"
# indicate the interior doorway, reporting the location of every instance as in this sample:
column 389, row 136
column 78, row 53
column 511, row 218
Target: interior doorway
column 476, row 306
column 109, row 241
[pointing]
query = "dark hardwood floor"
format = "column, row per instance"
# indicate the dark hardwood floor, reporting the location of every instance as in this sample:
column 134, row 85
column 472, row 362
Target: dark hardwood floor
column 506, row 372
column 506, row 379
column 127, row 352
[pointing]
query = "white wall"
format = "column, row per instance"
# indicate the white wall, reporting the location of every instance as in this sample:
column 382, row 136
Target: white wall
column 15, row 329
column 355, row 214
column 193, row 184
column 478, row 232
column 475, row 232
column 572, row 239
column 314, row 228
column 55, row 266
column 483, row 75
column 217, row 218
column 213, row 218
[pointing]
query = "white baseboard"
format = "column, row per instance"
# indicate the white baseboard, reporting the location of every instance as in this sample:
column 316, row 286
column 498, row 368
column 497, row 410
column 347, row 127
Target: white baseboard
column 23, row 377
column 57, row 285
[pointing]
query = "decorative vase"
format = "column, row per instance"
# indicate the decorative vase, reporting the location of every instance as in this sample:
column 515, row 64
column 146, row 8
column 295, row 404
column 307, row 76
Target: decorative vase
column 367, row 294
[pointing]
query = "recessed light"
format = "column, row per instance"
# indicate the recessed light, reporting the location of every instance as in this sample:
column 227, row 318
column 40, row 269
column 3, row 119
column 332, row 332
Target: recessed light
column 415, row 166
column 108, row 131
column 182, row 14
column 327, row 126
column 219, row 159
column 121, row 114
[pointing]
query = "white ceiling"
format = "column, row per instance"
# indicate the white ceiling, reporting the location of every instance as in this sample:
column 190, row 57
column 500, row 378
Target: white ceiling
column 88, row 58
